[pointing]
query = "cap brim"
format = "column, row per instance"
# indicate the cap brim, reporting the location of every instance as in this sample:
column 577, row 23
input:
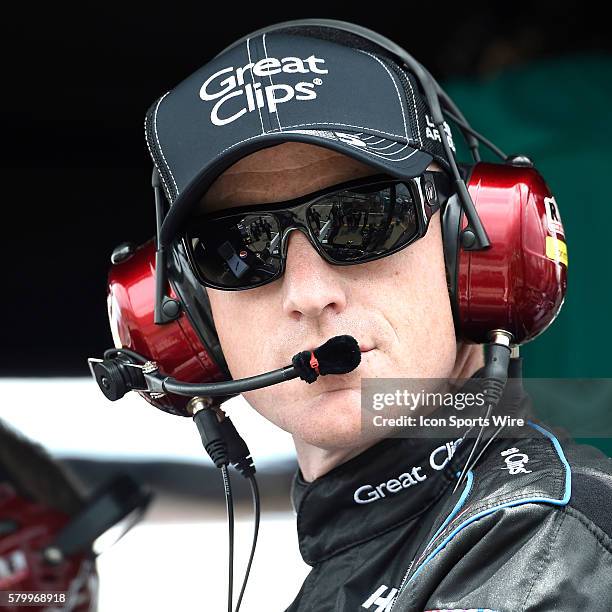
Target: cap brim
column 389, row 156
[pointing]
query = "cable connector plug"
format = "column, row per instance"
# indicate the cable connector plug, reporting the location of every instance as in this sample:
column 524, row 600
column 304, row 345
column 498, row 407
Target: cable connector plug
column 495, row 372
column 207, row 422
column 238, row 452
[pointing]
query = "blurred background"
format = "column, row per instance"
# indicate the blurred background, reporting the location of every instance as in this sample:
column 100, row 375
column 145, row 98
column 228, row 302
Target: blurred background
column 535, row 78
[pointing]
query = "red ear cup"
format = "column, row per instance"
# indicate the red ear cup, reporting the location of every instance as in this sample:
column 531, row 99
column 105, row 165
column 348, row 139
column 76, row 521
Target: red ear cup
column 519, row 283
column 186, row 348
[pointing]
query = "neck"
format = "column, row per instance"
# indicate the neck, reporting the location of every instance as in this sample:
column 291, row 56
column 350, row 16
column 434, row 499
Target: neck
column 470, row 357
column 314, row 461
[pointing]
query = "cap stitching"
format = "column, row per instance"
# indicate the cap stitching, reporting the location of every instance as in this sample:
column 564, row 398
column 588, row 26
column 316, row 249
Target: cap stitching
column 381, row 148
column 374, row 143
column 263, row 38
column 399, row 99
column 286, row 128
column 416, row 115
column 154, row 156
column 409, row 80
column 159, row 143
column 359, row 127
column 248, row 40
column 387, row 154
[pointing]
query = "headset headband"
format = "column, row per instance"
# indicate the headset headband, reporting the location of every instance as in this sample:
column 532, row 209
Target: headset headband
column 167, row 309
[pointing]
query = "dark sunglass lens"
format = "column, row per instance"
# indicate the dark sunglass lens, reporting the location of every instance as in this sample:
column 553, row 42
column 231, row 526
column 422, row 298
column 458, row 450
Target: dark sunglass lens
column 365, row 222
column 238, row 251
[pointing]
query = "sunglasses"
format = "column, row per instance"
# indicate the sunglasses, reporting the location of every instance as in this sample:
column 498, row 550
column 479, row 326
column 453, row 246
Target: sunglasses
column 352, row 223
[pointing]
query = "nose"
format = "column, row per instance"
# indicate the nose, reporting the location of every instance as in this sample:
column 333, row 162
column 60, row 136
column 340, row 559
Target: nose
column 311, row 286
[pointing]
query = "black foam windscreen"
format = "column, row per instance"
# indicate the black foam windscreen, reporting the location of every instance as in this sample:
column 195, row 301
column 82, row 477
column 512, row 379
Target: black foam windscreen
column 339, row 355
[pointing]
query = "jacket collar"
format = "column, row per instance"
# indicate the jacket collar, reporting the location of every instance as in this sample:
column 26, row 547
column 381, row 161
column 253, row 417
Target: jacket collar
column 389, row 484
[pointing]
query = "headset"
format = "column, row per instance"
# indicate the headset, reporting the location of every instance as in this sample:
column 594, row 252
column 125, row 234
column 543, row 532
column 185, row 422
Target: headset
column 504, row 249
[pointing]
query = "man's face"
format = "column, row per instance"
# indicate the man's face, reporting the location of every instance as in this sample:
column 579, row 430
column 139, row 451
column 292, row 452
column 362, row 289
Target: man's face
column 396, row 307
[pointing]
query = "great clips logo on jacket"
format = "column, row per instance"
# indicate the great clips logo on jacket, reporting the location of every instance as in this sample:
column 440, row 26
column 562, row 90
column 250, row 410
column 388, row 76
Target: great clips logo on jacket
column 229, row 84
column 438, row 458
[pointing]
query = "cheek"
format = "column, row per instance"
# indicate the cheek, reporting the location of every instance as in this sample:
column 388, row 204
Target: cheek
column 411, row 291
column 236, row 314
column 241, row 319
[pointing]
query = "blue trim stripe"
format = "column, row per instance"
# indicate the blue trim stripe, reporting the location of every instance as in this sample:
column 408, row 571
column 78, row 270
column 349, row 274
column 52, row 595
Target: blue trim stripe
column 458, row 505
column 568, row 470
column 517, row 502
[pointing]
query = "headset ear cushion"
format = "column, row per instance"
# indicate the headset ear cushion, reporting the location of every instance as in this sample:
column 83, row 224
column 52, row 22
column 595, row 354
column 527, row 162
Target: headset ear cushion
column 451, row 223
column 194, row 299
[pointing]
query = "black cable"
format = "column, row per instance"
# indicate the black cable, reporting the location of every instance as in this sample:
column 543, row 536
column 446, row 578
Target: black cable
column 229, row 502
column 485, row 141
column 226, row 447
column 447, row 104
column 257, row 511
column 466, row 465
column 494, row 379
column 484, row 448
column 207, row 422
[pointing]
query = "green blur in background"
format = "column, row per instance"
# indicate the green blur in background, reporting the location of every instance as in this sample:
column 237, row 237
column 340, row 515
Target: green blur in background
column 559, row 113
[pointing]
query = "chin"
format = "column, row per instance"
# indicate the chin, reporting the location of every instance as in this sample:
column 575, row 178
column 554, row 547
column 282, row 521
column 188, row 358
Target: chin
column 331, row 420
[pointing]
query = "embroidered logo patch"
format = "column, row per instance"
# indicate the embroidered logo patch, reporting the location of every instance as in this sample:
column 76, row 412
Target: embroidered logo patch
column 515, row 461
column 234, row 95
column 380, row 600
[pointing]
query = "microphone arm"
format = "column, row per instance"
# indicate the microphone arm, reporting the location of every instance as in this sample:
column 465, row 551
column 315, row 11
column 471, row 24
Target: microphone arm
column 158, row 384
column 116, row 376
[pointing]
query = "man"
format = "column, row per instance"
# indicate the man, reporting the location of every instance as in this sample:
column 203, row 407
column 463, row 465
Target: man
column 302, row 114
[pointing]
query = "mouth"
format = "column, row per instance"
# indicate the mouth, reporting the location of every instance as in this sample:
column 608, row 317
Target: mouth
column 364, row 348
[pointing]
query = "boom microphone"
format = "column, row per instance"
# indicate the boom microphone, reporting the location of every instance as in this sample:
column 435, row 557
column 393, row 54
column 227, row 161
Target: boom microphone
column 116, row 376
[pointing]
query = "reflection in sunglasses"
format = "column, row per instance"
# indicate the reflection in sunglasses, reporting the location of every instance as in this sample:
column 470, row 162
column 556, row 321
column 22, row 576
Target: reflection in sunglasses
column 348, row 226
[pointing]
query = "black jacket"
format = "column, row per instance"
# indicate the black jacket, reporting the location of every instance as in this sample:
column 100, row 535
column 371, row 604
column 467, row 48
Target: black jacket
column 530, row 529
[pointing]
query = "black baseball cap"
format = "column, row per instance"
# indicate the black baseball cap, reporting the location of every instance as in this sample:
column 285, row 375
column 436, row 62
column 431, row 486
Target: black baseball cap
column 293, row 85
